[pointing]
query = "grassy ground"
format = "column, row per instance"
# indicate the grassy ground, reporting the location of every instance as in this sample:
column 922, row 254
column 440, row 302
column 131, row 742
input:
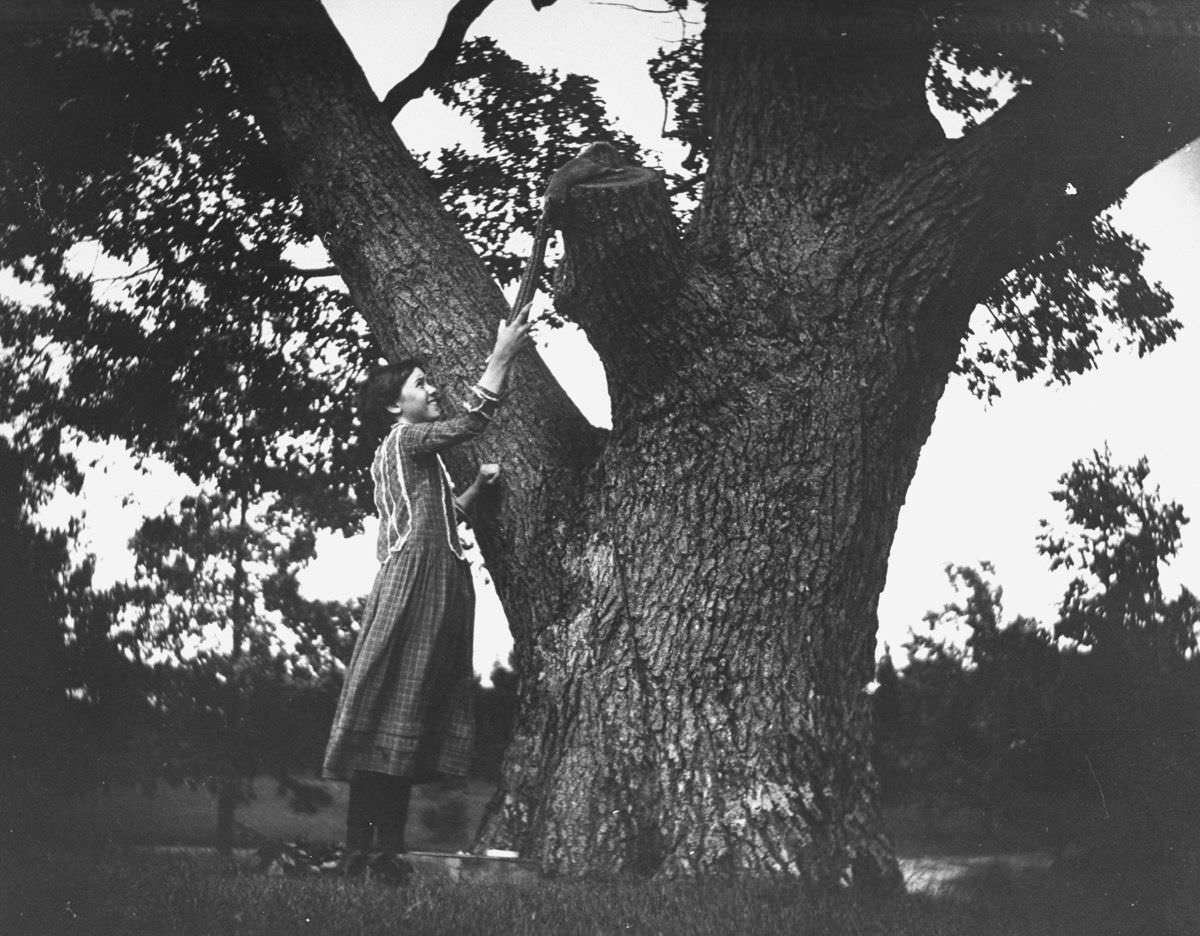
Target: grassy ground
column 87, row 875
column 55, row 892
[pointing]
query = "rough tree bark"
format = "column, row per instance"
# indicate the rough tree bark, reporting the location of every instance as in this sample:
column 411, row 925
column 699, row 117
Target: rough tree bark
column 694, row 597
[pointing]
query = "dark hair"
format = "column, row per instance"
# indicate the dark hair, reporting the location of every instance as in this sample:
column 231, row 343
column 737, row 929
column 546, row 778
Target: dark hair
column 379, row 391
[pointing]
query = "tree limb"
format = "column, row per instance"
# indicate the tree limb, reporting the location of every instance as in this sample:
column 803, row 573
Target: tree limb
column 787, row 81
column 441, row 57
column 1126, row 20
column 1051, row 160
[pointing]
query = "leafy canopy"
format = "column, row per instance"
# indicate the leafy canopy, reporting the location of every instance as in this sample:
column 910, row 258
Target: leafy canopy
column 204, row 345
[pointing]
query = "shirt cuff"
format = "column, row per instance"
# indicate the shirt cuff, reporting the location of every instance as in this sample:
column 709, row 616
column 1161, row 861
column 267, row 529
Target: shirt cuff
column 485, row 403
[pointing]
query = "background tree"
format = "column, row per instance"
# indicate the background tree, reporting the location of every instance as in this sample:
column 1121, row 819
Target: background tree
column 1083, row 745
column 974, row 721
column 495, row 709
column 1136, row 722
column 235, row 683
column 1119, row 536
column 33, row 682
column 693, row 595
column 196, row 342
column 40, row 584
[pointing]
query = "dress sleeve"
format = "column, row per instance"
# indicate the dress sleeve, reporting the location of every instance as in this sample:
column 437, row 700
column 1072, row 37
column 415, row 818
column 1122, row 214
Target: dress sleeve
column 446, row 433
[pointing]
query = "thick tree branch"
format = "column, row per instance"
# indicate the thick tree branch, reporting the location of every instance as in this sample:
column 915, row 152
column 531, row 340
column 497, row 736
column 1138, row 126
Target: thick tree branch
column 1124, row 20
column 1047, row 163
column 938, row 234
column 441, row 57
column 812, row 104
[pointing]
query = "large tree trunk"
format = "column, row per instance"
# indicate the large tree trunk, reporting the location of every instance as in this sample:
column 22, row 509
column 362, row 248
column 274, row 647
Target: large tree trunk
column 706, row 710
column 694, row 598
column 703, row 709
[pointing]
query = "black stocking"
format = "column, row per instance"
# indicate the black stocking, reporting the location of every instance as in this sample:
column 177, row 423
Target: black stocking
column 393, row 815
column 377, row 812
column 361, row 812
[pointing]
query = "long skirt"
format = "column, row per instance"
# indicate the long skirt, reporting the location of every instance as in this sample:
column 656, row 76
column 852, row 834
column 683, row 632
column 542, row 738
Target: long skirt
column 406, row 707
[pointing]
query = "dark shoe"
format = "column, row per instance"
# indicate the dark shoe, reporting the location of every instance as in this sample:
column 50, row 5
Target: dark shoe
column 354, row 863
column 389, row 868
column 273, row 859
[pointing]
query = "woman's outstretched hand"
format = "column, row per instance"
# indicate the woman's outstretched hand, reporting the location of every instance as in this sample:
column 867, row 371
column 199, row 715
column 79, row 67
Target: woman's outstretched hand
column 511, row 339
column 513, row 336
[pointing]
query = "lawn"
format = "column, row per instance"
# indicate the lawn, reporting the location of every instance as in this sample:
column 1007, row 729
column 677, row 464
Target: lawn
column 119, row 891
column 95, row 875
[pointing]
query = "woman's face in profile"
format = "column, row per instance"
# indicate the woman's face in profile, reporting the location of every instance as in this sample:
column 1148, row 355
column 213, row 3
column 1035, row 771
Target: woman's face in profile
column 418, row 400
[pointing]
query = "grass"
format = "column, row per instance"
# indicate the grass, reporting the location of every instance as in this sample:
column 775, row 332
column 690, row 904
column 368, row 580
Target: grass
column 140, row 894
column 89, row 876
column 119, row 890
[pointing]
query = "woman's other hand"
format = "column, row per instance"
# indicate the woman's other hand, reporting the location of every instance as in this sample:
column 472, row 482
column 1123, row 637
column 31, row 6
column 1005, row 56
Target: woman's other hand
column 487, row 475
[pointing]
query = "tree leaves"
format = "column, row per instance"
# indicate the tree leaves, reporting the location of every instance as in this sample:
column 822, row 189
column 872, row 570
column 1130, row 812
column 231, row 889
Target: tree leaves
column 1119, row 535
column 1054, row 315
column 232, row 646
column 532, row 121
column 676, row 71
column 203, row 346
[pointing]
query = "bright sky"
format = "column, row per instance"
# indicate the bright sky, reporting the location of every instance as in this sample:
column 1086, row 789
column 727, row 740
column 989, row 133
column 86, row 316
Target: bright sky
column 985, row 475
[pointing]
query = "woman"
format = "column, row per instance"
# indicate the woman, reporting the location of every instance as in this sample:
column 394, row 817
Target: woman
column 405, row 713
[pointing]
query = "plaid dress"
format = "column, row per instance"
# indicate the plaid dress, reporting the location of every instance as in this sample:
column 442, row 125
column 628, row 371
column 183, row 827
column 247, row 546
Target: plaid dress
column 406, row 704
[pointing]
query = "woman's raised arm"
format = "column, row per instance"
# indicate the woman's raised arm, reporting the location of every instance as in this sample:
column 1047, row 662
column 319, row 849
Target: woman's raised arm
column 511, row 338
